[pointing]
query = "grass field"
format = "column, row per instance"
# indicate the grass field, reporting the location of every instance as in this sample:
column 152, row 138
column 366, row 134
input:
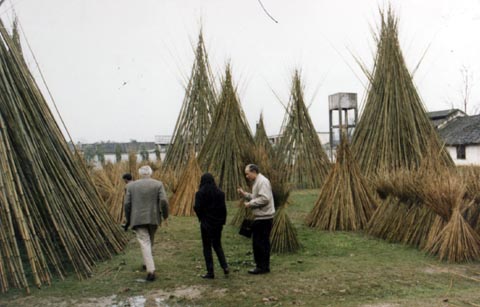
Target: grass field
column 333, row 269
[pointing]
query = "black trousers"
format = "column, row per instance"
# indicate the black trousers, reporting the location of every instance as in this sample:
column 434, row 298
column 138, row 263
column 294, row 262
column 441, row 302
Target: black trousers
column 212, row 237
column 261, row 243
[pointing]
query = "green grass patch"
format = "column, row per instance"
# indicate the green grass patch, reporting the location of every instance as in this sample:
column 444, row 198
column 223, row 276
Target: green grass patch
column 332, row 269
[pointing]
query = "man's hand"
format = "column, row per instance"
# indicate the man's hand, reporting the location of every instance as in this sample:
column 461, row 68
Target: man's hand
column 247, row 204
column 241, row 192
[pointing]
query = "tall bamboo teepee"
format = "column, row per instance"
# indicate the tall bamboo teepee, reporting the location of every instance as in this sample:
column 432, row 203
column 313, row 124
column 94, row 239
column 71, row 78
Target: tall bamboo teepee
column 51, row 215
column 346, row 201
column 229, row 144
column 196, row 113
column 394, row 130
column 306, row 163
column 394, row 134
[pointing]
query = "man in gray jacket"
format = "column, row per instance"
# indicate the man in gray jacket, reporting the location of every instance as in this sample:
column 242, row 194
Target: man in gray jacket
column 145, row 204
column 263, row 208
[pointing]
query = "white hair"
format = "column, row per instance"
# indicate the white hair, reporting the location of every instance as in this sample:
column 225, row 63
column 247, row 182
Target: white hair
column 145, row 171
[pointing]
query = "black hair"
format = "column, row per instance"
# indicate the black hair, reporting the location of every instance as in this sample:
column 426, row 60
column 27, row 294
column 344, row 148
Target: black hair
column 207, row 179
column 127, row 176
column 253, row 168
column 208, row 185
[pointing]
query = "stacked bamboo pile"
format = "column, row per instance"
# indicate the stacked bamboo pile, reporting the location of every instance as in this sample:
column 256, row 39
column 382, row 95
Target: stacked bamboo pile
column 345, row 201
column 471, row 177
column 394, row 131
column 51, row 215
column 395, row 134
column 306, row 163
column 111, row 187
column 182, row 202
column 402, row 215
column 196, row 113
column 284, row 237
column 445, row 193
column 229, row 145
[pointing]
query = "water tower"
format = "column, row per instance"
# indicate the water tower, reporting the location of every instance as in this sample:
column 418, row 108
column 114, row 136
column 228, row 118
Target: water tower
column 345, row 104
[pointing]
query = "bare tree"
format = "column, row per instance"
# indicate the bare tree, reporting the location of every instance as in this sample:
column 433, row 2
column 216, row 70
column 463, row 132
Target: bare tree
column 466, row 87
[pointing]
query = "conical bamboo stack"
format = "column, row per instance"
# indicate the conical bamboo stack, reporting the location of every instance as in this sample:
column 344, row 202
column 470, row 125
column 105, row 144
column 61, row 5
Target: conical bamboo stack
column 284, row 238
column 229, row 145
column 183, row 200
column 394, row 131
column 261, row 138
column 345, row 201
column 305, row 160
column 52, row 216
column 196, row 113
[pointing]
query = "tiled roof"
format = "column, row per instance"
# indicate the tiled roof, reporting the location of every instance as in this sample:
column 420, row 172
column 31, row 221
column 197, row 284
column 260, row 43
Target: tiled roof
column 464, row 130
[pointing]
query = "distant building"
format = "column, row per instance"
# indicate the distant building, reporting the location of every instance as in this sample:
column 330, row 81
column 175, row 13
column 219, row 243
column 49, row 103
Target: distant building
column 441, row 118
column 461, row 135
column 163, row 142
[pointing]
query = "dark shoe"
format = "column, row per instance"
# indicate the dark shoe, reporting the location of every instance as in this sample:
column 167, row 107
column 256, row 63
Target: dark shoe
column 226, row 271
column 150, row 277
column 257, row 271
column 208, row 276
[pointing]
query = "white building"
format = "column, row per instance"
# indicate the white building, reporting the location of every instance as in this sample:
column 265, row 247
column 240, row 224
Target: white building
column 461, row 135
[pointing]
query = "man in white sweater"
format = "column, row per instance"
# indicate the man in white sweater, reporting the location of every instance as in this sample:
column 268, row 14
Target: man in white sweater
column 263, row 208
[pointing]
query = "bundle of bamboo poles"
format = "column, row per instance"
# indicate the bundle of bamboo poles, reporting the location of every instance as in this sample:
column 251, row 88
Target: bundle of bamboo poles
column 109, row 183
column 229, row 143
column 306, row 163
column 261, row 139
column 444, row 193
column 284, row 237
column 182, row 202
column 196, row 113
column 471, row 177
column 395, row 134
column 403, row 215
column 431, row 207
column 132, row 163
column 52, row 216
column 394, row 131
column 345, row 201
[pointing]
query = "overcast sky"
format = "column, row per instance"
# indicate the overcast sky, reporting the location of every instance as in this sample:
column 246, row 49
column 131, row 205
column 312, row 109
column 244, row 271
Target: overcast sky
column 117, row 69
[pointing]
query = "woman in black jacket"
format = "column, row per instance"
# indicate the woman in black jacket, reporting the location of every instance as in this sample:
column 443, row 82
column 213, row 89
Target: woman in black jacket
column 212, row 213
